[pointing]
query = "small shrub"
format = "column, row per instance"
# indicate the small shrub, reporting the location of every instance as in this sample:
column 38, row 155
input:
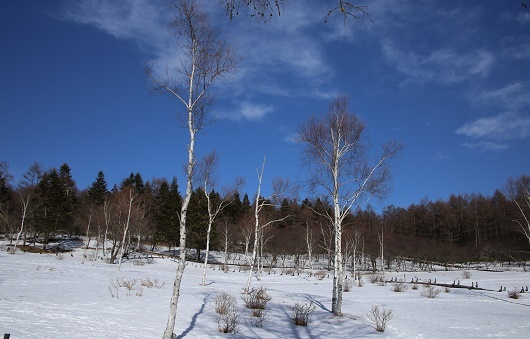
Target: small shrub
column 375, row 279
column 466, row 274
column 414, row 286
column 228, row 322
column 360, row 283
column 430, row 292
column 380, row 317
column 257, row 298
column 128, row 284
column 301, row 313
column 320, row 275
column 114, row 290
column 288, row 271
column 139, row 291
column 223, row 303
column 139, row 262
column 258, row 317
column 399, row 287
column 447, row 289
column 347, row 285
column 147, row 282
column 514, row 294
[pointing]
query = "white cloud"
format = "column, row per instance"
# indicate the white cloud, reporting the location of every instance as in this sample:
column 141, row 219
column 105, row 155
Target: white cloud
column 506, row 126
column 487, row 146
column 252, row 111
column 288, row 47
column 445, row 66
column 513, row 96
column 523, row 18
column 247, row 111
column 138, row 20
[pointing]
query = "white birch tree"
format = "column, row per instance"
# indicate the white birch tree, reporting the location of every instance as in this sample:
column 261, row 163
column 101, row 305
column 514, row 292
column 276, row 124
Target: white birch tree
column 336, row 152
column 25, row 196
column 206, row 174
column 205, row 58
column 259, row 226
column 518, row 190
column 131, row 201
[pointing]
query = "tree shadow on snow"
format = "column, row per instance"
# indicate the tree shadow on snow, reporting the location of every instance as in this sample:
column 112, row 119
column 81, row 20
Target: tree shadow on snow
column 318, row 303
column 193, row 320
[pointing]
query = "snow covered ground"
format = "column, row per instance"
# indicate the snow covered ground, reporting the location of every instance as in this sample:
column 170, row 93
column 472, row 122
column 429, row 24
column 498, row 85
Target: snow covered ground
column 49, row 296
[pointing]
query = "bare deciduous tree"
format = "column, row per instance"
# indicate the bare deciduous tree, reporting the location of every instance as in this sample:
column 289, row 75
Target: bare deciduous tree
column 518, row 190
column 260, row 226
column 205, row 58
column 336, row 151
column 206, row 174
column 265, row 10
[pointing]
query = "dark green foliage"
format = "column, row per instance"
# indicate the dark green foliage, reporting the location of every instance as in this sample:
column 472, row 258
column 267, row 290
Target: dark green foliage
column 56, row 203
column 98, row 190
column 166, row 208
column 134, row 180
column 197, row 221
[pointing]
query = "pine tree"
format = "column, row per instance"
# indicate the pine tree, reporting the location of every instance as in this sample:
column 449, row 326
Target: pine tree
column 49, row 208
column 197, row 220
column 68, row 199
column 98, row 190
column 166, row 208
column 134, row 180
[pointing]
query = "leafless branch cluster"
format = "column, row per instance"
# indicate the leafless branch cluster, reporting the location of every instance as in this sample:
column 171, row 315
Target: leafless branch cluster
column 261, row 10
column 345, row 8
column 430, row 292
column 380, row 317
column 301, row 313
column 227, row 318
column 257, row 298
column 264, row 11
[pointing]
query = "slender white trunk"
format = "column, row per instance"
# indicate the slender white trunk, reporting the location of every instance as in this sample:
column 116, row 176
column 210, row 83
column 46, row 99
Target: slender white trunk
column 256, row 229
column 131, row 199
column 97, row 244
column 309, row 241
column 106, row 214
column 226, row 234
column 87, row 235
column 25, row 204
column 381, row 249
column 207, row 252
column 173, row 303
column 336, row 298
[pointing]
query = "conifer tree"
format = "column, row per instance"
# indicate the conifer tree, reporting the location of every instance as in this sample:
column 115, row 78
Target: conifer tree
column 167, row 206
column 197, row 221
column 98, row 190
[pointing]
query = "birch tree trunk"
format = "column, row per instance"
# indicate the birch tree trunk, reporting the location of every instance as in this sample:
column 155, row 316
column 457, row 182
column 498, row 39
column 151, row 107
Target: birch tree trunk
column 132, row 196
column 336, row 152
column 205, row 57
column 25, row 204
column 87, row 235
column 382, row 249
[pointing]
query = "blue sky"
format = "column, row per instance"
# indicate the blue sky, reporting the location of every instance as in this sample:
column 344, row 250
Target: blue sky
column 449, row 79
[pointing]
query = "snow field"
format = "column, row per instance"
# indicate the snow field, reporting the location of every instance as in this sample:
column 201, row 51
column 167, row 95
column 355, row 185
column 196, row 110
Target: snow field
column 44, row 297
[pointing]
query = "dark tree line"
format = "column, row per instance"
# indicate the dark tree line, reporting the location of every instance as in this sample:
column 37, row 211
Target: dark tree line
column 462, row 228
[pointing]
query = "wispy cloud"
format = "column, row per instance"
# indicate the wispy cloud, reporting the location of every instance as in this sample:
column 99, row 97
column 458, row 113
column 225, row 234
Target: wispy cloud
column 138, row 20
column 288, row 48
column 445, row 66
column 513, row 96
column 247, row 111
column 487, row 146
column 494, row 132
